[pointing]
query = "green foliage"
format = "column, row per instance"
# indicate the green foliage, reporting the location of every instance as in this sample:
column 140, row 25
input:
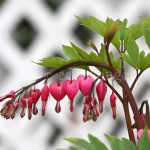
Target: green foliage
column 115, row 144
column 117, row 33
column 53, row 62
column 147, row 30
column 144, row 142
column 93, row 24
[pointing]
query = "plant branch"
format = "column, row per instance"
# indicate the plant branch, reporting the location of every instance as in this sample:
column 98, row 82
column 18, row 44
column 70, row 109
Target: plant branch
column 128, row 121
column 135, row 80
column 123, row 83
column 73, row 64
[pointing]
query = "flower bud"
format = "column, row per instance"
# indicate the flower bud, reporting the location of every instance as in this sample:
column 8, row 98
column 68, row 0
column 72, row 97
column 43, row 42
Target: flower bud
column 101, row 90
column 44, row 97
column 113, row 104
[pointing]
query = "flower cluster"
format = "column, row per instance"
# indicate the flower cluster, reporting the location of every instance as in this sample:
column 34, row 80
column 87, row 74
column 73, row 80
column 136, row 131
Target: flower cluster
column 92, row 105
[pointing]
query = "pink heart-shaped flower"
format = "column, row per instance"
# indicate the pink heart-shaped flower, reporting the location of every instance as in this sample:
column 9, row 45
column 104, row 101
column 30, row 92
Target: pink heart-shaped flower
column 57, row 91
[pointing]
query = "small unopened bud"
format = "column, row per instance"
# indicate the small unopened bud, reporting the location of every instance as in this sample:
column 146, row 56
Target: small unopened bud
column 113, row 104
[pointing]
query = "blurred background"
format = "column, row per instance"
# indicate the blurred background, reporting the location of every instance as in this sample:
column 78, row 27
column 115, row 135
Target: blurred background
column 34, row 29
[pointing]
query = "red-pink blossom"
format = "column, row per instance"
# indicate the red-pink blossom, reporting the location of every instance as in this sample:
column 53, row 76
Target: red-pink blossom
column 113, row 104
column 44, row 97
column 85, row 83
column 101, row 90
column 58, row 93
column 71, row 89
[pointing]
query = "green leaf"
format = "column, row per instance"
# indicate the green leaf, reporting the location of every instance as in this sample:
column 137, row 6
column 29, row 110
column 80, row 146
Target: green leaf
column 132, row 49
column 128, row 60
column 147, row 31
column 128, row 145
column 79, row 142
column 135, row 30
column 141, row 55
column 94, row 57
column 74, row 148
column 96, row 143
column 115, row 143
column 71, row 52
column 93, row 24
column 144, row 62
column 144, row 142
column 53, row 62
column 81, row 52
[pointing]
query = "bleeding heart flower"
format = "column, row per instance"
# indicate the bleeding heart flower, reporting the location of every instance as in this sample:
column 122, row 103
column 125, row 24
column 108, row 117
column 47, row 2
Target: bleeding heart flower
column 71, row 88
column 11, row 94
column 113, row 104
column 85, row 83
column 44, row 97
column 58, row 93
column 101, row 90
column 35, row 94
column 24, row 105
column 15, row 108
column 94, row 101
column 29, row 102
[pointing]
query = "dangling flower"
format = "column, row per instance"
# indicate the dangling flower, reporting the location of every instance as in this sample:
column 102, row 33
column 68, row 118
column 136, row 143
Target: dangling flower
column 71, row 89
column 15, row 108
column 85, row 83
column 113, row 104
column 35, row 94
column 24, row 105
column 44, row 97
column 94, row 101
column 7, row 109
column 58, row 93
column 11, row 94
column 90, row 110
column 29, row 102
column 101, row 90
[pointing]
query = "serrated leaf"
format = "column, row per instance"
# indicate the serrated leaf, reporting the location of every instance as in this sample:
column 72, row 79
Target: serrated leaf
column 115, row 143
column 132, row 49
column 135, row 30
column 96, row 144
column 144, row 142
column 81, row 52
column 53, row 62
column 147, row 31
column 71, row 52
column 93, row 24
column 94, row 57
column 128, row 60
column 144, row 63
column 79, row 142
column 128, row 145
column 141, row 55
column 117, row 63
